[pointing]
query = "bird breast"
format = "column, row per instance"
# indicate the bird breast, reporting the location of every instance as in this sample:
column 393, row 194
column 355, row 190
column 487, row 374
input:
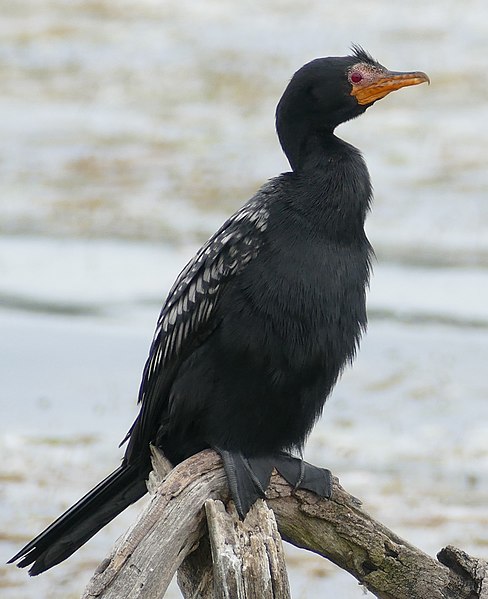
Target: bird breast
column 307, row 308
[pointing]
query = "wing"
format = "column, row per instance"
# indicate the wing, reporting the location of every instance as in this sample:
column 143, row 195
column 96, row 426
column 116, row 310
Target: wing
column 189, row 314
column 192, row 299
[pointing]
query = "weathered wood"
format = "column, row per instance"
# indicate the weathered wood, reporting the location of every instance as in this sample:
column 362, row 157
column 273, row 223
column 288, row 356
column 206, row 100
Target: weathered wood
column 195, row 575
column 248, row 557
column 173, row 523
column 471, row 568
column 168, row 529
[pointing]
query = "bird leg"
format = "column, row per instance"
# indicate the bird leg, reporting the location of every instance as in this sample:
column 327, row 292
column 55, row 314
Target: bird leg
column 248, row 478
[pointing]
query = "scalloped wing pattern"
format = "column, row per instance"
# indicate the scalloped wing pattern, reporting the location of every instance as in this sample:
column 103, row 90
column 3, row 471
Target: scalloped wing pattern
column 192, row 299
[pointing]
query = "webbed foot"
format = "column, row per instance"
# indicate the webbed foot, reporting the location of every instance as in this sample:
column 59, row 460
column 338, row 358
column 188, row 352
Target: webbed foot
column 248, row 478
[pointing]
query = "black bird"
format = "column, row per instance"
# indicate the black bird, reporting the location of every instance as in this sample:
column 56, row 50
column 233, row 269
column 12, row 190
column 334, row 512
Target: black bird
column 259, row 325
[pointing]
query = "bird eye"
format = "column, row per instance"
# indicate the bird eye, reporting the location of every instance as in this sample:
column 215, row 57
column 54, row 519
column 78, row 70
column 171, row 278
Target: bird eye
column 356, row 77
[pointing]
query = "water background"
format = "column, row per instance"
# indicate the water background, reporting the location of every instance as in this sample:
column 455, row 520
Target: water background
column 128, row 133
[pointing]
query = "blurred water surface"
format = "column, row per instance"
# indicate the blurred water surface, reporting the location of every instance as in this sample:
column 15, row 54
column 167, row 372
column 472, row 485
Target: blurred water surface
column 129, row 132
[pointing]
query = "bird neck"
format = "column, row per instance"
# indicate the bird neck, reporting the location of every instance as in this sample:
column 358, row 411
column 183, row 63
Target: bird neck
column 336, row 184
column 318, row 150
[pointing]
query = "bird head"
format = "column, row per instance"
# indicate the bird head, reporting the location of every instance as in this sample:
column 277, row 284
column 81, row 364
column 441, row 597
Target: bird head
column 328, row 91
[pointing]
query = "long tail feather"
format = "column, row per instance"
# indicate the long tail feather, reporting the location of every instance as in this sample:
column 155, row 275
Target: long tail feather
column 83, row 520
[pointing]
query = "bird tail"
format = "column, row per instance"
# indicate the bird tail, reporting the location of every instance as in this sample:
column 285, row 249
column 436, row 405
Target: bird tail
column 84, row 519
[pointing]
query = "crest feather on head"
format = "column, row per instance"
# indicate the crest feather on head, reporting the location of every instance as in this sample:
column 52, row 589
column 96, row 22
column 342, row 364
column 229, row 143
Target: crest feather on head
column 360, row 53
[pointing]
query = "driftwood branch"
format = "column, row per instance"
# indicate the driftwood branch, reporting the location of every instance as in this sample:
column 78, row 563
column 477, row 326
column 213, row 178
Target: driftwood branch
column 248, row 559
column 172, row 534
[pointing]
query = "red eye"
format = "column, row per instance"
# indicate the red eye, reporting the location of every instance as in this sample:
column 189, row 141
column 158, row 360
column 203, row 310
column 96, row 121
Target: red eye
column 356, row 77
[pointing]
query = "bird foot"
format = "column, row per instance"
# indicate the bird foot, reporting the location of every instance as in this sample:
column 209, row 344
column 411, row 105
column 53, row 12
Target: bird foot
column 248, row 478
column 302, row 475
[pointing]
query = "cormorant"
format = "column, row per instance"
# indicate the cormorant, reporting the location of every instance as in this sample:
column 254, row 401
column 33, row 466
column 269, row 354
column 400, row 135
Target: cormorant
column 260, row 323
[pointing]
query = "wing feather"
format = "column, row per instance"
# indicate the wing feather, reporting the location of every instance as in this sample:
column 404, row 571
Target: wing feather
column 193, row 297
column 190, row 312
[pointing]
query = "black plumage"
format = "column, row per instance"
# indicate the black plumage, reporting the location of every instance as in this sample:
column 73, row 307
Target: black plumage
column 259, row 325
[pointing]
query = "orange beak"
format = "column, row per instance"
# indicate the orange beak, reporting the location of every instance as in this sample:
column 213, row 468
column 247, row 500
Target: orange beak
column 386, row 82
